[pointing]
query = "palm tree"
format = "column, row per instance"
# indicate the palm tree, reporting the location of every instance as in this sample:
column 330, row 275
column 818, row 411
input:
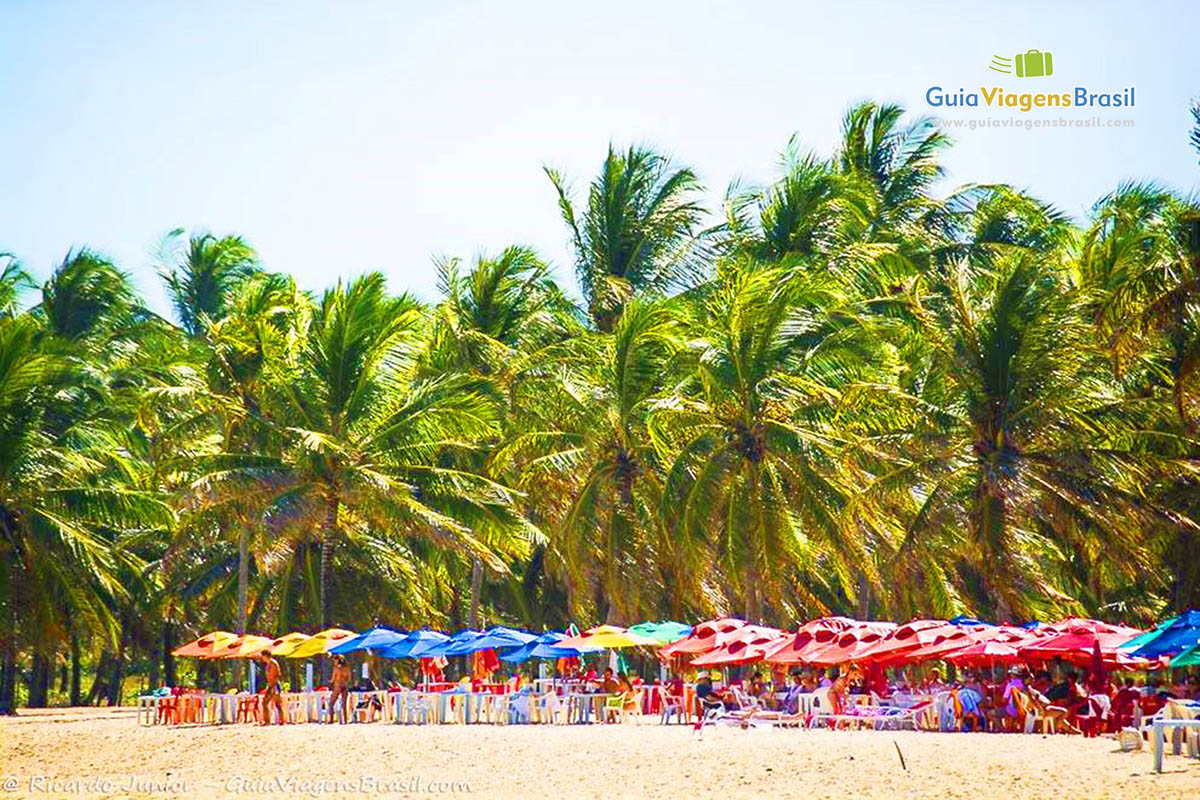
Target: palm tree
column 1194, row 137
column 369, row 442
column 812, row 210
column 239, row 318
column 241, row 349
column 637, row 233
column 749, row 437
column 13, row 281
column 1016, row 430
column 1140, row 263
column 87, row 295
column 58, row 515
column 899, row 163
column 494, row 323
column 201, row 273
column 592, row 448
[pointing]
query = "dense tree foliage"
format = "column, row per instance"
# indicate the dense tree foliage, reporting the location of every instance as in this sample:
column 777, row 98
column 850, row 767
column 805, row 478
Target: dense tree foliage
column 843, row 392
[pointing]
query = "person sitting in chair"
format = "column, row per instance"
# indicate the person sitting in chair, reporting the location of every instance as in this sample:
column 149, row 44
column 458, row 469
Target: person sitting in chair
column 791, row 701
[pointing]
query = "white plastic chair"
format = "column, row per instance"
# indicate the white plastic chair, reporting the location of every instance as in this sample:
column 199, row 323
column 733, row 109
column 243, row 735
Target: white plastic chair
column 518, row 708
column 669, row 706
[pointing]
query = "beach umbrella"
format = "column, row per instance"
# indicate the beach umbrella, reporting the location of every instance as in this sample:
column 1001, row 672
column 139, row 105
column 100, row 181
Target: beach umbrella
column 1143, row 638
column 817, row 633
column 704, row 637
column 415, row 644
column 608, row 637
column 849, row 645
column 1188, row 658
column 664, row 632
column 1077, row 645
column 752, row 644
column 1182, row 634
column 497, row 638
column 943, row 645
column 906, row 638
column 545, row 646
column 965, row 620
column 456, row 645
column 1084, row 625
column 205, row 644
column 284, row 645
column 1097, row 675
column 320, row 643
column 984, row 653
column 374, row 639
column 247, row 646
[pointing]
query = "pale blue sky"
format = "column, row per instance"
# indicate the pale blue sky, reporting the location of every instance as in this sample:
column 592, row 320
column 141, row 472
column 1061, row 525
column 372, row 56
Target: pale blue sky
column 341, row 137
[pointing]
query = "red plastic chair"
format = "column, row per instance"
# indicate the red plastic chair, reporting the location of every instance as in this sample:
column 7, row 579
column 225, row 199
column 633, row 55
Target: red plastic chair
column 168, row 710
column 248, row 708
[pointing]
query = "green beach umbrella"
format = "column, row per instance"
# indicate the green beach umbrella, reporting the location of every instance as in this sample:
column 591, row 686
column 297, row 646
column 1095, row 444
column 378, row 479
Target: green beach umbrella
column 665, row 632
column 1188, row 658
column 1148, row 636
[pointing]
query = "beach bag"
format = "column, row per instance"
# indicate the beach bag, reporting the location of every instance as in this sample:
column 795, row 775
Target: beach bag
column 1130, row 740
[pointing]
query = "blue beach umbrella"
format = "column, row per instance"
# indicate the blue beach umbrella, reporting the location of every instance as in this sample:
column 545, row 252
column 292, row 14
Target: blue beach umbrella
column 455, row 644
column 962, row 619
column 415, row 644
column 544, row 647
column 1148, row 636
column 375, row 639
column 498, row 638
column 1180, row 635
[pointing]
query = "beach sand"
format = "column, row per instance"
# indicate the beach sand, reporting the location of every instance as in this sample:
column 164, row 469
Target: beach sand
column 102, row 752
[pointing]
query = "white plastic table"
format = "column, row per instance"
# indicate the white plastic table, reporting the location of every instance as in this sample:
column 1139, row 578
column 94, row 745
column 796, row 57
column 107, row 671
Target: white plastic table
column 1160, row 728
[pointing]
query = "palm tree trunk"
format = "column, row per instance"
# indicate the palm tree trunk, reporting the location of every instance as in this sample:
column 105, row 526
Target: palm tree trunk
column 8, row 684
column 168, row 644
column 990, row 521
column 118, row 673
column 243, row 580
column 327, row 559
column 8, row 659
column 476, row 588
column 75, row 669
column 103, row 667
column 326, row 562
column 39, row 681
column 243, row 576
column 864, row 596
column 753, row 596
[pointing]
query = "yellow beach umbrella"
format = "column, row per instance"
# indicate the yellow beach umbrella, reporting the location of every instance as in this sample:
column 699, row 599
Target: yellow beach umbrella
column 608, row 636
column 205, row 645
column 321, row 642
column 247, row 646
column 284, row 645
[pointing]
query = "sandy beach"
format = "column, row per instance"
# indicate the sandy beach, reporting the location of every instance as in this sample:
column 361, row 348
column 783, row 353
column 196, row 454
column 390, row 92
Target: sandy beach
column 101, row 752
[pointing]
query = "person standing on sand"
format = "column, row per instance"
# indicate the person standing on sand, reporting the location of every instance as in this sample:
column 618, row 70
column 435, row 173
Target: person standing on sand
column 341, row 688
column 271, row 693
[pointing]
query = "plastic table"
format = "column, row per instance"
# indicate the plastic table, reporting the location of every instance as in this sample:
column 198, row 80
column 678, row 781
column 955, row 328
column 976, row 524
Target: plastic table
column 1160, row 729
